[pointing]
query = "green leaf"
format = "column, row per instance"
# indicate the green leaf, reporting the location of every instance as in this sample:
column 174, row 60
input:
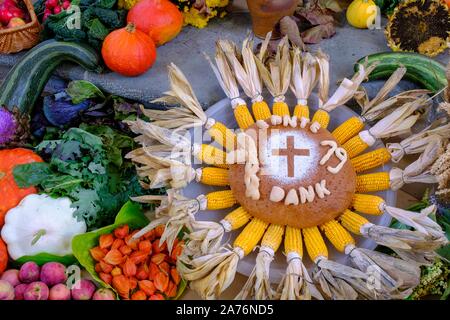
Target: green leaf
column 130, row 214
column 43, row 258
column 96, row 29
column 88, row 139
column 31, row 174
column 81, row 90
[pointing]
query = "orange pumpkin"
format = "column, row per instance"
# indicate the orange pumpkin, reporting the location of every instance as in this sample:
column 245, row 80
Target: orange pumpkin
column 128, row 51
column 3, row 256
column 10, row 193
column 161, row 19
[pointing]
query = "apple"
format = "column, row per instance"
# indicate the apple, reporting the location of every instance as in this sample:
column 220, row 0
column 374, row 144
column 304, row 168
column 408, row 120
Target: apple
column 8, row 11
column 15, row 22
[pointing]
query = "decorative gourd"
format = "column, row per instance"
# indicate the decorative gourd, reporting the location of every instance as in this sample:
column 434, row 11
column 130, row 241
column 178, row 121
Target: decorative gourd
column 159, row 18
column 361, row 13
column 10, row 193
column 41, row 225
column 128, row 51
column 26, row 80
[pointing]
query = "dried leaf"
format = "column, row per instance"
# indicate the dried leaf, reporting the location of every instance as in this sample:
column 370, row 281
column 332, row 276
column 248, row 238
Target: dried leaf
column 332, row 5
column 289, row 27
column 319, row 32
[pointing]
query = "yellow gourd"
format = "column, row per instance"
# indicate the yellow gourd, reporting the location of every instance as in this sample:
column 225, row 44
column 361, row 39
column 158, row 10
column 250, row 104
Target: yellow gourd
column 361, row 13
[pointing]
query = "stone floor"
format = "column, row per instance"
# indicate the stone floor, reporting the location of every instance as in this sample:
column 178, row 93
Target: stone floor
column 186, row 51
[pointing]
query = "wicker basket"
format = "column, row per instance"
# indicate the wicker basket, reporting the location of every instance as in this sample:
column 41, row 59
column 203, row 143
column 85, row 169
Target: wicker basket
column 23, row 37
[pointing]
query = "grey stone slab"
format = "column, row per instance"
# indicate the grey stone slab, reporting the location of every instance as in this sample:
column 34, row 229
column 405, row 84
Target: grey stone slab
column 347, row 46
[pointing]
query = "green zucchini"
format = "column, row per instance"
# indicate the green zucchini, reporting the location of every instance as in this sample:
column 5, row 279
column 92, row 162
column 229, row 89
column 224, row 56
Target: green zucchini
column 26, row 80
column 424, row 71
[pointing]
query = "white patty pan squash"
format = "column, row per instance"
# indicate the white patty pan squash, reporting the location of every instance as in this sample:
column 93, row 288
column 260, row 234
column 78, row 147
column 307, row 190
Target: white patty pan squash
column 41, row 225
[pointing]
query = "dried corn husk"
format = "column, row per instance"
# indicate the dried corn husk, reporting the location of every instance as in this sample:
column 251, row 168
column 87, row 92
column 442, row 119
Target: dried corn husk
column 391, row 276
column 296, row 284
column 246, row 73
column 258, row 285
column 398, row 122
column 224, row 73
column 304, row 75
column 211, row 274
column 340, row 282
column 417, row 143
column 205, row 238
column 419, row 170
column 277, row 74
column 419, row 221
column 189, row 114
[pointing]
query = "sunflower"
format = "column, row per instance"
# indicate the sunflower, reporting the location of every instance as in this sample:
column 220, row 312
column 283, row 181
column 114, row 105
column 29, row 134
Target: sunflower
column 421, row 26
column 286, row 178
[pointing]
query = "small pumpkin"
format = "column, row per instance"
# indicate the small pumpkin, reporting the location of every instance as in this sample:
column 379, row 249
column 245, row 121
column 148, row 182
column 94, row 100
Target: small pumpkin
column 10, row 193
column 361, row 13
column 128, row 51
column 3, row 256
column 160, row 19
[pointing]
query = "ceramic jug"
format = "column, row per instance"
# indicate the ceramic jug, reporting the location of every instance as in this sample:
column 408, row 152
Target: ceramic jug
column 266, row 14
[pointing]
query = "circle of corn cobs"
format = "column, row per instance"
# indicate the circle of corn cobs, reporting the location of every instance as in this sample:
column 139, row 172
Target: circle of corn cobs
column 140, row 269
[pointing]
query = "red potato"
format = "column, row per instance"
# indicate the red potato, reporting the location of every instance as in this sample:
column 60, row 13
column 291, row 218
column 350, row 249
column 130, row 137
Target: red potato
column 11, row 276
column 83, row 290
column 59, row 292
column 29, row 272
column 104, row 294
column 53, row 273
column 19, row 291
column 6, row 290
column 36, row 291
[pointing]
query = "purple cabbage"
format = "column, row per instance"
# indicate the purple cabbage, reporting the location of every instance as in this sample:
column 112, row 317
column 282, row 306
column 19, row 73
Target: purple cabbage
column 62, row 112
column 8, row 126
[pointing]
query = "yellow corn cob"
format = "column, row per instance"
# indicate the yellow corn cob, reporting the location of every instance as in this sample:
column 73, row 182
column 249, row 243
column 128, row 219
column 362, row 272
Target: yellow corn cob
column 352, row 221
column 322, row 117
column 315, row 246
column 348, row 129
column 367, row 203
column 212, row 156
column 243, row 117
column 337, row 235
column 355, row 146
column 223, row 136
column 280, row 109
column 261, row 110
column 371, row 160
column 301, row 111
column 237, row 218
column 273, row 237
column 293, row 241
column 250, row 236
column 212, row 176
column 218, row 200
column 372, row 182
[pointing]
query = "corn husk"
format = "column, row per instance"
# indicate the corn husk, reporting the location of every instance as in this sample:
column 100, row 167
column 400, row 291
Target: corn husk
column 246, row 72
column 389, row 275
column 419, row 221
column 224, row 74
column 189, row 114
column 346, row 89
column 323, row 62
column 258, row 285
column 296, row 284
column 398, row 122
column 277, row 74
column 205, row 238
column 304, row 75
column 419, row 170
column 417, row 143
column 211, row 274
column 340, row 282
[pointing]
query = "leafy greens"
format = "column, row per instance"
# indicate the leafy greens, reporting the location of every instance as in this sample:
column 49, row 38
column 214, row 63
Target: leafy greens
column 85, row 164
